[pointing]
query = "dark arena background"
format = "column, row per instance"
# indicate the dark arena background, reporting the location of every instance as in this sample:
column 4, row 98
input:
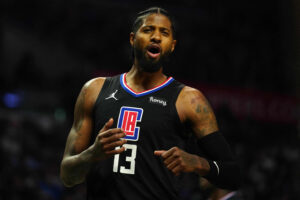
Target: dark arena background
column 243, row 55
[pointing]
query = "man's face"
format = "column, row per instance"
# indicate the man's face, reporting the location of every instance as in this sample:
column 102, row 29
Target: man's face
column 153, row 42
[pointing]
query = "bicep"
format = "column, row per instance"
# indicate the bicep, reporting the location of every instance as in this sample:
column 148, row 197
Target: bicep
column 203, row 118
column 198, row 112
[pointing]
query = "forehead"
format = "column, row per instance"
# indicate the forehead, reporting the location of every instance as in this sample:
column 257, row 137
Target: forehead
column 157, row 20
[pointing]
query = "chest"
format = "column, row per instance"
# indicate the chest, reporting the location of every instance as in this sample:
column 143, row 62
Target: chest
column 150, row 111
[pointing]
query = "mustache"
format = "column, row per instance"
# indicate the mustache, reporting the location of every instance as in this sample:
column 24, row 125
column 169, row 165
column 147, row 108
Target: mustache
column 138, row 52
column 147, row 64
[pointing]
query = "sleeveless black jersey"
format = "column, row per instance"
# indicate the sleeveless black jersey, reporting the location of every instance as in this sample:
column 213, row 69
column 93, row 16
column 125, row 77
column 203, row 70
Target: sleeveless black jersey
column 151, row 122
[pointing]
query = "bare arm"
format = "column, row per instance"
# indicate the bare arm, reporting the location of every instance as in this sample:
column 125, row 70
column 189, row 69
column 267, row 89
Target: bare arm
column 219, row 166
column 78, row 155
column 192, row 107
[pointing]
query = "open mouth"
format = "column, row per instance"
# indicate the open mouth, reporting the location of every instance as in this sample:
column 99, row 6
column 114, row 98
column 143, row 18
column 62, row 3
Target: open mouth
column 153, row 51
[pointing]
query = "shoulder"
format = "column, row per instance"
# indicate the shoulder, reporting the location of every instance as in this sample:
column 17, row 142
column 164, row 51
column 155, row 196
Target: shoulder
column 189, row 98
column 92, row 87
column 90, row 91
column 94, row 83
column 191, row 94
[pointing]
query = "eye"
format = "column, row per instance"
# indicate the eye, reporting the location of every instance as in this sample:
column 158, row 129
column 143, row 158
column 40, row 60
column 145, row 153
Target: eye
column 165, row 33
column 147, row 30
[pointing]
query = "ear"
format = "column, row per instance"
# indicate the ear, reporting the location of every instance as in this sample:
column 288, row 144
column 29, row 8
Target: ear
column 131, row 38
column 173, row 45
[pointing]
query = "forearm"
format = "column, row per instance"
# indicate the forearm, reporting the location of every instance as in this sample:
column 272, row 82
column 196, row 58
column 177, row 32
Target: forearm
column 224, row 169
column 74, row 168
column 224, row 174
column 227, row 178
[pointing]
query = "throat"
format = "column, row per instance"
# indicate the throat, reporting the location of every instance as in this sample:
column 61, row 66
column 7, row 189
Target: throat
column 142, row 81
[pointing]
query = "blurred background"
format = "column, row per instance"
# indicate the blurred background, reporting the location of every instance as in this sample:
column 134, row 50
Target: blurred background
column 243, row 55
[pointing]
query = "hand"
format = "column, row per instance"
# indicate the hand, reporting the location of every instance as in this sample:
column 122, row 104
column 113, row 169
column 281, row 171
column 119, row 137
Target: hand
column 106, row 142
column 177, row 161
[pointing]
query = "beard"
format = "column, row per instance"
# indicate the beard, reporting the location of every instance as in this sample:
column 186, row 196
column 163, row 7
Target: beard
column 150, row 65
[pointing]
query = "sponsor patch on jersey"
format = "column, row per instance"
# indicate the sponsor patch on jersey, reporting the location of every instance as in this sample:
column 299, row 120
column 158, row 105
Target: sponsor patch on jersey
column 158, row 101
column 128, row 118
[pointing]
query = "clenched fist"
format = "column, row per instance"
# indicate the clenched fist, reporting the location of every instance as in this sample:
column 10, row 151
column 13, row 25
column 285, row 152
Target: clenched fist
column 177, row 161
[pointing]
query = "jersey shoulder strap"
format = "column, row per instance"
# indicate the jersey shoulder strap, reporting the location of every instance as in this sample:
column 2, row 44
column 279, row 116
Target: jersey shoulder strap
column 110, row 82
column 175, row 88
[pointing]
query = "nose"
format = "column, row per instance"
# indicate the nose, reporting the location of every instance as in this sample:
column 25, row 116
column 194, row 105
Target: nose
column 156, row 37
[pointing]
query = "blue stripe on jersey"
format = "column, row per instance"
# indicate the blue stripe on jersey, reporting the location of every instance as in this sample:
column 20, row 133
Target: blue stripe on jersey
column 139, row 94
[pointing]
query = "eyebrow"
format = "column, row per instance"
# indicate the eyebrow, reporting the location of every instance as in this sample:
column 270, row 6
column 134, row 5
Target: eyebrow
column 164, row 29
column 160, row 28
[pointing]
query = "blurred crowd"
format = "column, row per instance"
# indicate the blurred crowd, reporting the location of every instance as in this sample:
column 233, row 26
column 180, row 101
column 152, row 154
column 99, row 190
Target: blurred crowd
column 48, row 49
column 249, row 43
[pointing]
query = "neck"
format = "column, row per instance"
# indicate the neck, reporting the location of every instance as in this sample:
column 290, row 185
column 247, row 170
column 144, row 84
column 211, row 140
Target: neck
column 140, row 80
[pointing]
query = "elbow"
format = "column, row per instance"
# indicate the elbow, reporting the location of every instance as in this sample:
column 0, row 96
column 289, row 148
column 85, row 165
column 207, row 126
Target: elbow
column 70, row 180
column 66, row 183
column 65, row 179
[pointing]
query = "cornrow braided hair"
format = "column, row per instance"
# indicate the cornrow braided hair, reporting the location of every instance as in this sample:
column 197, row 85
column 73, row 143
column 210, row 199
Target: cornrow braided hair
column 141, row 16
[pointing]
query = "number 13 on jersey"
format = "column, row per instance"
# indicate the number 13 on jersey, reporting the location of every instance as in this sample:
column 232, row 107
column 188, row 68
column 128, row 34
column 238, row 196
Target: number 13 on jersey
column 128, row 118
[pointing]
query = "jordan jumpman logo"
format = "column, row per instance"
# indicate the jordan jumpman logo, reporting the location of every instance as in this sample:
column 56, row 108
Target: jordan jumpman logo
column 112, row 96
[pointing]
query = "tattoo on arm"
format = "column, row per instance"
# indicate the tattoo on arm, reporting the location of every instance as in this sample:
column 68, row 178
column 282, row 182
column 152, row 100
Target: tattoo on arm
column 202, row 109
column 204, row 118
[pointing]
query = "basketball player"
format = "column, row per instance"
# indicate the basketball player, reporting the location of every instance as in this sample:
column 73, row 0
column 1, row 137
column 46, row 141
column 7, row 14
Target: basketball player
column 127, row 139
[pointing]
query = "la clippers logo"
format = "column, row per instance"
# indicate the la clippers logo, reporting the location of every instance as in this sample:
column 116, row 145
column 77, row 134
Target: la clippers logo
column 128, row 118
